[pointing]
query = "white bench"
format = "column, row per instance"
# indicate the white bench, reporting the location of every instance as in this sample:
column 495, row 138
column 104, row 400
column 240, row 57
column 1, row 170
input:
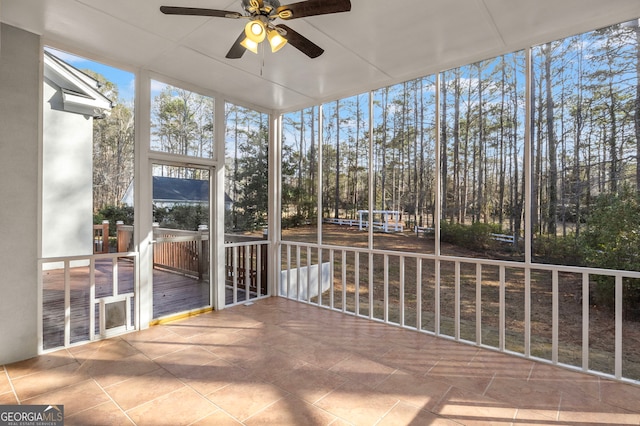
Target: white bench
column 503, row 237
column 424, row 229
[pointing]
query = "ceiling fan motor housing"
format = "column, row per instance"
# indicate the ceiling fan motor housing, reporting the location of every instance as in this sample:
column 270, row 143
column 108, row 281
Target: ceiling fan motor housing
column 269, row 6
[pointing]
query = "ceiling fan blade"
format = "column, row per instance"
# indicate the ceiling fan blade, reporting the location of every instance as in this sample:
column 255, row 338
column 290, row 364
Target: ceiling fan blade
column 301, row 43
column 196, row 11
column 237, row 50
column 313, row 8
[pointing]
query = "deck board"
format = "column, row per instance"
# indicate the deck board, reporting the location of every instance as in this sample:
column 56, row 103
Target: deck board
column 172, row 293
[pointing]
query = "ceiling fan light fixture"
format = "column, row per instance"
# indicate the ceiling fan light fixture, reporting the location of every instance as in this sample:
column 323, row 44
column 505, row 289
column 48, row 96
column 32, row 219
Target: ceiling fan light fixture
column 250, row 45
column 255, row 31
column 276, row 40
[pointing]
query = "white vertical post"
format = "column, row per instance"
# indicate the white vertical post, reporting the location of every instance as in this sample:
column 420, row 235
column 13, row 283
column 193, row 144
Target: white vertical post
column 618, row 332
column 143, row 230
column 370, row 285
column 236, row 271
column 275, row 202
column 585, row 321
column 555, row 315
column 356, row 266
column 502, row 326
column 371, row 197
column 92, row 298
column 309, row 274
column 478, row 304
column 344, row 281
column 319, row 174
column 419, row 293
column 247, row 273
column 436, row 295
column 386, row 288
column 319, row 273
column 67, row 303
column 457, row 301
column 401, row 318
column 527, row 312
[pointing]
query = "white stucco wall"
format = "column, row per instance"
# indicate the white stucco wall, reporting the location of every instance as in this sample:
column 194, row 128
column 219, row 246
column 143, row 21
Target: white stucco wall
column 67, row 181
column 19, row 111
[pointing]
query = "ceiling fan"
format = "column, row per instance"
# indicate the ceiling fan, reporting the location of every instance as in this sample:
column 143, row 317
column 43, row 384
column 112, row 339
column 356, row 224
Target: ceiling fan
column 261, row 14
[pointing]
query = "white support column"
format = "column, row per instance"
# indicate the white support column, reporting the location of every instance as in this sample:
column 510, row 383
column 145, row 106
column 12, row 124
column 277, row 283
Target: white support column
column 527, row 159
column 143, row 232
column 217, row 259
column 370, row 176
column 319, row 174
column 275, row 202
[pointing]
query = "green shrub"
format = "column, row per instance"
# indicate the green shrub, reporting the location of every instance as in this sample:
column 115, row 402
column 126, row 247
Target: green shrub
column 476, row 236
column 114, row 214
column 610, row 240
column 557, row 250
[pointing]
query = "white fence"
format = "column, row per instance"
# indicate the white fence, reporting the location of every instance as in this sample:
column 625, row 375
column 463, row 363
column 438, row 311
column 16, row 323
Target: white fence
column 513, row 307
column 73, row 298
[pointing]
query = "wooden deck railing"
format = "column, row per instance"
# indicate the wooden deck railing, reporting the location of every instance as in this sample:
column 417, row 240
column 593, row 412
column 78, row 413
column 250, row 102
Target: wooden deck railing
column 187, row 252
column 101, row 238
column 246, row 260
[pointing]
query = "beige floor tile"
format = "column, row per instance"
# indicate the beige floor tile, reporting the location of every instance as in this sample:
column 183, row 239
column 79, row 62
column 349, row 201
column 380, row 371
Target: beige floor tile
column 418, row 391
column 408, row 359
column 180, row 362
column 8, row 398
column 75, row 398
column 271, row 365
column 362, row 370
column 502, row 365
column 620, row 395
column 578, row 408
column 141, row 389
column 104, row 350
column 322, row 355
column 189, row 328
column 310, row 383
column 181, row 407
column 291, row 411
column 243, row 400
column 469, row 408
column 218, row 418
column 357, row 404
column 48, row 380
column 405, row 414
column 112, row 371
column 525, row 417
column 462, row 375
column 532, row 395
column 106, row 414
column 282, row 362
column 5, row 385
column 161, row 342
column 215, row 375
column 39, row 364
column 563, row 380
column 213, row 339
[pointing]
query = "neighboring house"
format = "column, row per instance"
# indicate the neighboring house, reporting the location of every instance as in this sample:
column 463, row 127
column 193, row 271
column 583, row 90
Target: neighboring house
column 71, row 101
column 170, row 191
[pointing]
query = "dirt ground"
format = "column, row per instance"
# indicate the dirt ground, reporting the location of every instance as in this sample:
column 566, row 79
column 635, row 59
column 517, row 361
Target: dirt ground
column 601, row 337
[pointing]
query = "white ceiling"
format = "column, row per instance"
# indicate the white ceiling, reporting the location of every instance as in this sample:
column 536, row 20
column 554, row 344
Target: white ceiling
column 376, row 44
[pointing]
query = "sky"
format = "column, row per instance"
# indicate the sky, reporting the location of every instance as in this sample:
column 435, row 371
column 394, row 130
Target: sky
column 123, row 79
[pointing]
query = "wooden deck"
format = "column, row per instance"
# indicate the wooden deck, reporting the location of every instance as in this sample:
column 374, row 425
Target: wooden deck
column 172, row 293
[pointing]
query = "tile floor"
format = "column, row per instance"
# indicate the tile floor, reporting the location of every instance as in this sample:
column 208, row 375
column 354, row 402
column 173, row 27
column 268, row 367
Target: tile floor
column 280, row 362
